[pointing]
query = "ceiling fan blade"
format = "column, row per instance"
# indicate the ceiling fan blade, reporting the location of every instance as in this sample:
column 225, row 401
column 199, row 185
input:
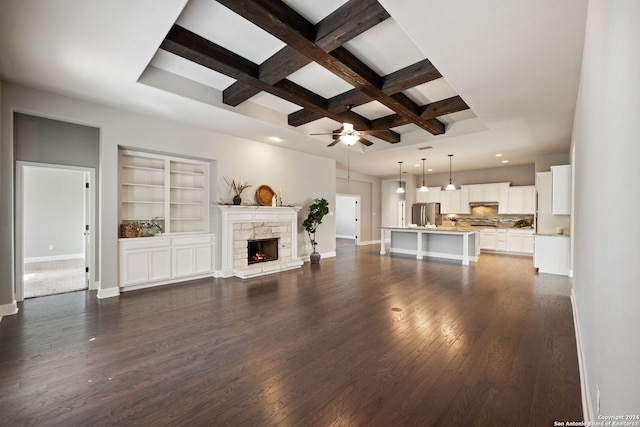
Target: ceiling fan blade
column 335, row 141
column 365, row 142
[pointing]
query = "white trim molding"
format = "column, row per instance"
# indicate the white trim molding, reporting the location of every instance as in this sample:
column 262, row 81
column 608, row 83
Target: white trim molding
column 111, row 292
column 8, row 309
column 587, row 406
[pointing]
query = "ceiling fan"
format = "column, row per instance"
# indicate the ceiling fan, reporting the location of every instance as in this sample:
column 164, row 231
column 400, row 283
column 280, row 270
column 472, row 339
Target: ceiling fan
column 349, row 136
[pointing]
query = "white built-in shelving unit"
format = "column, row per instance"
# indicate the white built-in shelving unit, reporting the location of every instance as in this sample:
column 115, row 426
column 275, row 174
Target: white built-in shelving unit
column 174, row 191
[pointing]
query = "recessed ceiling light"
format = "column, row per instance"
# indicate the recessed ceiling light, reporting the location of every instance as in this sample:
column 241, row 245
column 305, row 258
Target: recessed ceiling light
column 505, row 161
column 429, row 170
column 499, row 155
column 275, row 139
column 417, row 165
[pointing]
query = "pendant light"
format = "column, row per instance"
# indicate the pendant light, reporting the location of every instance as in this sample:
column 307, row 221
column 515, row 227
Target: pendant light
column 450, row 186
column 424, row 187
column 400, row 189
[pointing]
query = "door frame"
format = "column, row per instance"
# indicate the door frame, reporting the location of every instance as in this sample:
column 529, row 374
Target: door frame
column 89, row 208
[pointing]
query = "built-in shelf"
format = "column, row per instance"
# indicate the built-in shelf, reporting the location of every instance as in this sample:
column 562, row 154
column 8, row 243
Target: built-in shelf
column 174, row 191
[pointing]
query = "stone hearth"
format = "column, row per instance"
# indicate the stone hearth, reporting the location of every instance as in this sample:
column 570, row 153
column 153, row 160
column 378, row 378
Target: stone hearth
column 239, row 224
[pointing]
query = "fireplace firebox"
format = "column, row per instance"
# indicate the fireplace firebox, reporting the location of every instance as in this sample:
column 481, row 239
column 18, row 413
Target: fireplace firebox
column 262, row 250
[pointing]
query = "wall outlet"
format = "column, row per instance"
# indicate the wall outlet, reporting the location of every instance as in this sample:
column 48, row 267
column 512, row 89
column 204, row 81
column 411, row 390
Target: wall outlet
column 50, row 247
column 597, row 399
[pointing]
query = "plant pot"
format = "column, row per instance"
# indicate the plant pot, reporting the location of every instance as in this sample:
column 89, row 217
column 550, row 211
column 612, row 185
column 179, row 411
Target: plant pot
column 315, row 257
column 237, row 200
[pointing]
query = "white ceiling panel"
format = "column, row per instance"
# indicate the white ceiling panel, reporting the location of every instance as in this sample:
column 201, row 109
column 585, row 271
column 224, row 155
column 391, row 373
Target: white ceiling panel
column 314, row 11
column 372, row 110
column 190, row 70
column 320, row 81
column 271, row 101
column 215, row 22
column 432, row 91
column 385, row 48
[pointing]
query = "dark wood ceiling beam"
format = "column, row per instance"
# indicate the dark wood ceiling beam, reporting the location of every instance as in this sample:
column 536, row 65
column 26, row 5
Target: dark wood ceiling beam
column 281, row 21
column 410, row 76
column 429, row 112
column 348, row 21
column 446, row 106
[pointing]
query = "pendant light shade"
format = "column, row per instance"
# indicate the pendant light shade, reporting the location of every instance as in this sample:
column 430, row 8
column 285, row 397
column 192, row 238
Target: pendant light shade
column 424, row 187
column 400, row 189
column 450, row 186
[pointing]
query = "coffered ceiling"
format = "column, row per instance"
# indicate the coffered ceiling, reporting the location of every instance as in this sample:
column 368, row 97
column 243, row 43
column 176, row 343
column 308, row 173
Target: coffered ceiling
column 468, row 78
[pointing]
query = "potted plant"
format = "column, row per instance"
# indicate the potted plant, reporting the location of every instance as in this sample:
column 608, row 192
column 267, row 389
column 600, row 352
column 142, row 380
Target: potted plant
column 317, row 210
column 237, row 187
column 150, row 227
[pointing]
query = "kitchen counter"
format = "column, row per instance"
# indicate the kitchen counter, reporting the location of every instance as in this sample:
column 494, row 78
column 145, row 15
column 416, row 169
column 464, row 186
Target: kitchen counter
column 458, row 243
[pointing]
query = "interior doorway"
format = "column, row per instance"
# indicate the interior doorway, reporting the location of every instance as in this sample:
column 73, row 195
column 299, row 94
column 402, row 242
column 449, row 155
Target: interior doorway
column 401, row 213
column 348, row 218
column 53, row 229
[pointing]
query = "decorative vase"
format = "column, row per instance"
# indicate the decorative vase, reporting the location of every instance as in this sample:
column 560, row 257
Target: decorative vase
column 237, row 200
column 315, row 257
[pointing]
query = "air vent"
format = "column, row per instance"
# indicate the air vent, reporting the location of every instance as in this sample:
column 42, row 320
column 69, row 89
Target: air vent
column 428, row 147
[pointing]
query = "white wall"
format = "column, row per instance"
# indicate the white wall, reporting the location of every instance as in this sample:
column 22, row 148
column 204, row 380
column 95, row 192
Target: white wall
column 300, row 176
column 53, row 212
column 606, row 258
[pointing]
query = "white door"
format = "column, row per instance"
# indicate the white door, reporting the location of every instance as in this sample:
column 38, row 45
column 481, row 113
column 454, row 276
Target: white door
column 348, row 217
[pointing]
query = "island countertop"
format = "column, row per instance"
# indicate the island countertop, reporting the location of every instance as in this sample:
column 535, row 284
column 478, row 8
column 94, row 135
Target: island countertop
column 459, row 243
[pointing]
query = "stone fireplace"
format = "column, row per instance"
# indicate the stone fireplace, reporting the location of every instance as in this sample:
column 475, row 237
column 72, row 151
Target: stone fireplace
column 245, row 226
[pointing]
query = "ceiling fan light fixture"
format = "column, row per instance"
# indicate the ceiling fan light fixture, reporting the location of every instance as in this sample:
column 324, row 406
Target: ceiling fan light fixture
column 400, row 190
column 347, row 127
column 349, row 139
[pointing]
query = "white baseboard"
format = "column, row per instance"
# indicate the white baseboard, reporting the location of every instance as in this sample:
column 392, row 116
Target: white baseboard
column 8, row 309
column 344, row 236
column 587, row 406
column 53, row 258
column 108, row 292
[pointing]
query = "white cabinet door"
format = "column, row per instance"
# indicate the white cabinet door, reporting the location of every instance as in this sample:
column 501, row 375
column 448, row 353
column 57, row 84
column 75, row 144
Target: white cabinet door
column 191, row 255
column 522, row 200
column 464, row 200
column 501, row 240
column 450, row 202
column 159, row 264
column 561, row 190
column 203, row 260
column 144, row 260
column 421, row 196
column 528, row 244
column 476, row 193
column 488, row 239
column 491, row 193
column 433, row 195
column 503, row 197
column 552, row 254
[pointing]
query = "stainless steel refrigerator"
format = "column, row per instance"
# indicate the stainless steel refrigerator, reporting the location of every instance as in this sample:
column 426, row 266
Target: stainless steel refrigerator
column 426, row 214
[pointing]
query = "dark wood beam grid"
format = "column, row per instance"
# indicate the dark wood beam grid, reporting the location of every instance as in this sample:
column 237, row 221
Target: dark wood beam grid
column 193, row 47
column 286, row 24
column 348, row 21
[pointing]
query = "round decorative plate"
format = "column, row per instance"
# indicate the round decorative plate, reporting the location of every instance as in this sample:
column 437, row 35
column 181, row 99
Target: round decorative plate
column 264, row 194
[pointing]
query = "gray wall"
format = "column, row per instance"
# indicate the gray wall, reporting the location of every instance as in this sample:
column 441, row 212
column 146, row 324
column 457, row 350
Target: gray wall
column 516, row 175
column 368, row 188
column 53, row 212
column 606, row 267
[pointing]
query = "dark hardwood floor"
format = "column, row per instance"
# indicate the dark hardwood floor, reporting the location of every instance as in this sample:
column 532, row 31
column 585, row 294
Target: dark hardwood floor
column 359, row 340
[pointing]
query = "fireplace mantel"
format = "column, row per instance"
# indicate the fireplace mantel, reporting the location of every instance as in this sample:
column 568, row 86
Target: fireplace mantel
column 239, row 223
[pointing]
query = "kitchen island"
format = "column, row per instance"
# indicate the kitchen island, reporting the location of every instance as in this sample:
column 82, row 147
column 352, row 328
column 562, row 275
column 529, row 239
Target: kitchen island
column 457, row 243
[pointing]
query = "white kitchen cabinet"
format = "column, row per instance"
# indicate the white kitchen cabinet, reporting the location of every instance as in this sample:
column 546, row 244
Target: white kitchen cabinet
column 431, row 196
column 191, row 255
column 151, row 261
column 488, row 239
column 494, row 192
column 522, row 200
column 520, row 241
column 171, row 190
column 561, row 190
column 464, row 200
column 503, row 197
column 450, row 202
column 552, row 254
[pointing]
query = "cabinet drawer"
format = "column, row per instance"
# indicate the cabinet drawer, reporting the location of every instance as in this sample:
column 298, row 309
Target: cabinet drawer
column 190, row 241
